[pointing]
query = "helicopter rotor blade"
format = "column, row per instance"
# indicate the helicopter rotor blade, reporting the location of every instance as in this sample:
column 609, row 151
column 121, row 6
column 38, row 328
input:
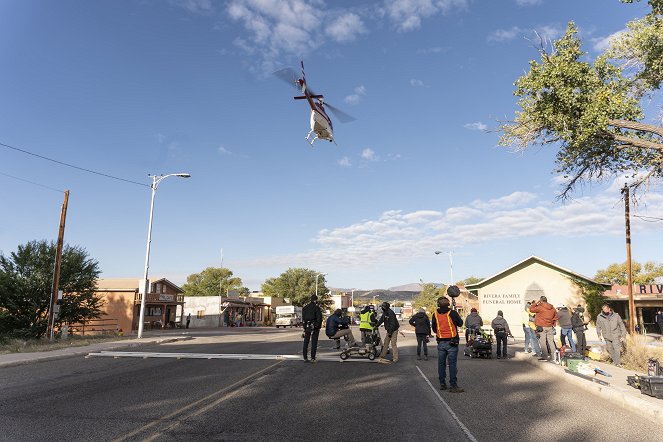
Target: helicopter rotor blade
column 289, row 76
column 342, row 116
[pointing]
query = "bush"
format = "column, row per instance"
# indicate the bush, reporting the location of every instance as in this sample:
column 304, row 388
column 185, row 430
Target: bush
column 638, row 353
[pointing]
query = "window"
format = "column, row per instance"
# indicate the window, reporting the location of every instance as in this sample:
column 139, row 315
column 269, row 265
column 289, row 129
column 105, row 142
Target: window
column 163, row 288
column 200, row 314
column 153, row 311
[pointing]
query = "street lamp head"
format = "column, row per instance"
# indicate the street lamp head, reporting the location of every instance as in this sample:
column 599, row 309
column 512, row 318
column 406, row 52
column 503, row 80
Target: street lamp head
column 437, row 252
column 183, row 175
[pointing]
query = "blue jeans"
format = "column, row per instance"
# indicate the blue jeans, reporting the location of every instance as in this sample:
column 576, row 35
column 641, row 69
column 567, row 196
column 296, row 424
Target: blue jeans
column 528, row 338
column 447, row 351
column 536, row 345
column 568, row 332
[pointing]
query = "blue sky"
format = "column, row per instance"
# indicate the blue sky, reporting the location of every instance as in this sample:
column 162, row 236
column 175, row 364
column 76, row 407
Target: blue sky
column 137, row 87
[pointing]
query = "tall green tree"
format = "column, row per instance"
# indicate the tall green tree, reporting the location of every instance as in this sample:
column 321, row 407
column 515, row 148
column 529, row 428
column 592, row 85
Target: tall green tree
column 298, row 284
column 427, row 298
column 590, row 110
column 469, row 280
column 26, row 278
column 593, row 296
column 213, row 281
column 647, row 273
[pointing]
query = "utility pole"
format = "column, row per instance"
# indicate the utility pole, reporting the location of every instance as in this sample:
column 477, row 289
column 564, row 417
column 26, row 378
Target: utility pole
column 629, row 271
column 56, row 272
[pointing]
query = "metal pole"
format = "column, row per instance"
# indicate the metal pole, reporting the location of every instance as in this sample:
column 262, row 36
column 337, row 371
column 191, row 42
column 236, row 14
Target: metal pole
column 629, row 270
column 316, row 284
column 56, row 272
column 146, row 284
column 451, row 263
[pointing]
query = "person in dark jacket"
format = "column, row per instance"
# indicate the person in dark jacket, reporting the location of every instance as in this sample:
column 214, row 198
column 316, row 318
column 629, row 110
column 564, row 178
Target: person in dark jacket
column 445, row 326
column 391, row 325
column 312, row 318
column 422, row 329
column 659, row 321
column 564, row 315
column 472, row 322
column 337, row 328
column 578, row 324
column 501, row 329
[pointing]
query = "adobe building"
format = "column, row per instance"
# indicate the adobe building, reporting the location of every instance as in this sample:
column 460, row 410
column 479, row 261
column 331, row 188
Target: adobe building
column 648, row 298
column 122, row 300
column 510, row 289
column 230, row 311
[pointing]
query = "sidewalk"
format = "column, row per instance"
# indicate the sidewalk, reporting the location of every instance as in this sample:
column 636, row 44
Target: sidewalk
column 11, row 359
column 618, row 391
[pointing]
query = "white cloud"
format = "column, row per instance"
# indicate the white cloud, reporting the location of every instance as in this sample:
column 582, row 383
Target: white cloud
column 603, row 43
column 344, row 162
column 223, row 151
column 397, row 236
column 355, row 98
column 291, row 27
column 346, row 28
column 505, row 34
column 547, row 32
column 416, row 83
column 407, row 15
column 528, row 2
column 368, row 154
column 433, row 50
column 194, row 6
column 475, row 126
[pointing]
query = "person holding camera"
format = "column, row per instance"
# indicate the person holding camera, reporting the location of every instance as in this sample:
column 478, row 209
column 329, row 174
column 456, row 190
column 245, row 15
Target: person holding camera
column 579, row 326
column 545, row 320
column 338, row 327
column 312, row 318
column 391, row 325
column 445, row 326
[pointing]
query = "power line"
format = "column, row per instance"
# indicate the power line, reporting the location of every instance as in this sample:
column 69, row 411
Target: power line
column 32, row 182
column 649, row 219
column 73, row 166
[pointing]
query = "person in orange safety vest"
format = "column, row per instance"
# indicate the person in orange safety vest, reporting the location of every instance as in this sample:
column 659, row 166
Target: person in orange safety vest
column 445, row 326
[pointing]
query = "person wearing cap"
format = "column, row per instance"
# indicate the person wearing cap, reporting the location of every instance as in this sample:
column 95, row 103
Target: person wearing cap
column 545, row 319
column 472, row 322
column 564, row 320
column 312, row 318
column 421, row 323
column 578, row 323
column 501, row 329
column 524, row 319
column 391, row 325
column 337, row 328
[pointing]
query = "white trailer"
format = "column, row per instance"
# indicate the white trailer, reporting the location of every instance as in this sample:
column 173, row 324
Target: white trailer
column 288, row 315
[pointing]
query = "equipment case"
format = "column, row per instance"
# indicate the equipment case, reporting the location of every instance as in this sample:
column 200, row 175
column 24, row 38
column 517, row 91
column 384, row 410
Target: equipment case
column 652, row 386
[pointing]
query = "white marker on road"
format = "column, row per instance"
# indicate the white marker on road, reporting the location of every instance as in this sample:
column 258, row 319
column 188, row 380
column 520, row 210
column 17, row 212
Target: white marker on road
column 451, row 412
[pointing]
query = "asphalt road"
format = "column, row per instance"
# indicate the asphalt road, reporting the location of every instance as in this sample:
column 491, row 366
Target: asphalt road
column 278, row 400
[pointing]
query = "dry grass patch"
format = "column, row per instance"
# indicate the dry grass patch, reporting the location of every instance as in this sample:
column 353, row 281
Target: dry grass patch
column 14, row 345
column 638, row 353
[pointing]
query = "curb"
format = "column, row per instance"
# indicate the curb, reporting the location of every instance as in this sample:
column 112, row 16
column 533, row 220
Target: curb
column 85, row 350
column 623, row 399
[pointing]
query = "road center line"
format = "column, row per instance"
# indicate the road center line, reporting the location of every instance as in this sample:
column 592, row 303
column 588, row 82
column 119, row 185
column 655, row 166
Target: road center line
column 196, row 403
column 451, row 412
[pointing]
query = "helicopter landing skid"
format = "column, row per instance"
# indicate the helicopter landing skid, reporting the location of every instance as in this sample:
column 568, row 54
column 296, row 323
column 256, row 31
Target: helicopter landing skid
column 308, row 137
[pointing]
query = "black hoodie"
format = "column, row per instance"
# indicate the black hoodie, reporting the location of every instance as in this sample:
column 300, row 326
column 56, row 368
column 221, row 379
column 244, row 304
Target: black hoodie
column 455, row 317
column 421, row 323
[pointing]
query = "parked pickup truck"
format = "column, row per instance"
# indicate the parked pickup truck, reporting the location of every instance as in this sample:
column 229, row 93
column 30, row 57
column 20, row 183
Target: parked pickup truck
column 288, row 315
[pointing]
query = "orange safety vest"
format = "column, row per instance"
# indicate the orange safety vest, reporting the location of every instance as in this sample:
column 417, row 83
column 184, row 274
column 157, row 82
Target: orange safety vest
column 445, row 326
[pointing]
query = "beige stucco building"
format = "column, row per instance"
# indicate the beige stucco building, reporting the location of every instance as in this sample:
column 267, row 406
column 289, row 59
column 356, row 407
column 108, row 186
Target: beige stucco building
column 527, row 280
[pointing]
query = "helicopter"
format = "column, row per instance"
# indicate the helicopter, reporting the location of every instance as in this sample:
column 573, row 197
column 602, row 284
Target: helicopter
column 321, row 125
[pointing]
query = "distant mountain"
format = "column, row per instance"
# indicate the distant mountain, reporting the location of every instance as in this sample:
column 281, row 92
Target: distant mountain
column 414, row 287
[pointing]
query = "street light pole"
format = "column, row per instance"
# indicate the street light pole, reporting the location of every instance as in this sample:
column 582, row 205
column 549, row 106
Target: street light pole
column 450, row 253
column 156, row 179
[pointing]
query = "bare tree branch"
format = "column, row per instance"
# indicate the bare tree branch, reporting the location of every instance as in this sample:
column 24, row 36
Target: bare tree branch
column 637, row 142
column 626, row 124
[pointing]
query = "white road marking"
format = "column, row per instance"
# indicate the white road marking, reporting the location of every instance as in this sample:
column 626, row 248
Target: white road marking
column 234, row 356
column 451, row 412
